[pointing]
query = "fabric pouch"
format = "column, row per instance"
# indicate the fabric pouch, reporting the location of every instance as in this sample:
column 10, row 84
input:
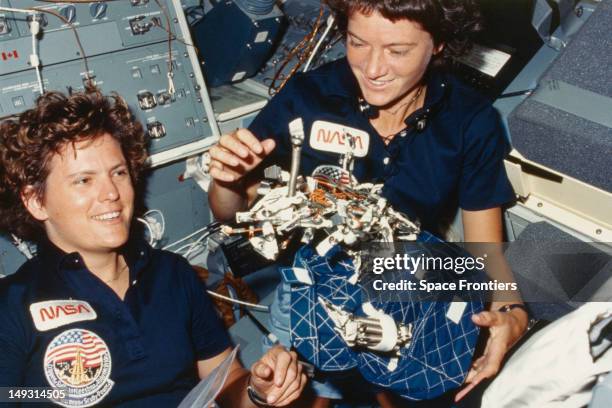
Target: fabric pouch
column 437, row 358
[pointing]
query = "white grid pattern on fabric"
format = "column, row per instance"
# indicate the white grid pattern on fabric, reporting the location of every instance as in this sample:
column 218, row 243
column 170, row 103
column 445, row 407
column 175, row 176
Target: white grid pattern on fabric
column 436, row 360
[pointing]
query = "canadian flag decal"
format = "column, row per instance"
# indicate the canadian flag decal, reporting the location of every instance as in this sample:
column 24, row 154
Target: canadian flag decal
column 10, row 54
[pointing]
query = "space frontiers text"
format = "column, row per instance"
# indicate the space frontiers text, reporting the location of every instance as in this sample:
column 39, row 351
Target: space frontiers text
column 413, row 264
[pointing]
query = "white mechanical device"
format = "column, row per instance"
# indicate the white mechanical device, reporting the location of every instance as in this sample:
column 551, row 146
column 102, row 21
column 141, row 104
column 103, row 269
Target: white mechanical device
column 329, row 200
column 349, row 213
column 378, row 331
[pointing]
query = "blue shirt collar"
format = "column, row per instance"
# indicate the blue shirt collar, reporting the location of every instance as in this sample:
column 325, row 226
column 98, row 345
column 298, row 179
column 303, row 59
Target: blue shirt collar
column 136, row 251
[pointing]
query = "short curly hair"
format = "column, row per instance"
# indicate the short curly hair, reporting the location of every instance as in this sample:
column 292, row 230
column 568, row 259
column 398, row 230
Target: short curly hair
column 28, row 143
column 450, row 22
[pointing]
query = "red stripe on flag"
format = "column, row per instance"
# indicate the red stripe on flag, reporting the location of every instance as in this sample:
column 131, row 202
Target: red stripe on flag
column 89, row 349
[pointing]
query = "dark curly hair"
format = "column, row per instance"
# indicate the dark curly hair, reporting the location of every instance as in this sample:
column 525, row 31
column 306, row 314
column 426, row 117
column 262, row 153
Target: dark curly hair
column 449, row 22
column 28, row 143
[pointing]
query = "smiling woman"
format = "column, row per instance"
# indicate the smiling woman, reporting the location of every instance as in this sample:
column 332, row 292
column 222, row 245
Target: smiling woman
column 53, row 134
column 92, row 201
column 97, row 311
column 389, row 60
column 435, row 144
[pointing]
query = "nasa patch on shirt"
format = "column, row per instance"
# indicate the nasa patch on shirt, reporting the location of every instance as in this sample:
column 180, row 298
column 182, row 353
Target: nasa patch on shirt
column 78, row 362
column 55, row 313
column 332, row 137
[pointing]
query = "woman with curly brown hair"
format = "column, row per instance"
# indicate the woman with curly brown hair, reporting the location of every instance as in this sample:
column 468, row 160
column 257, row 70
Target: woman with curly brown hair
column 435, row 143
column 98, row 316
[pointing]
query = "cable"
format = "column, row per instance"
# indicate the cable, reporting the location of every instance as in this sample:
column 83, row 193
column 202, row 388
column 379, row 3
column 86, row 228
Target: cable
column 162, row 222
column 197, row 243
column 88, row 79
column 239, row 302
column 16, row 10
column 187, row 247
column 34, row 58
column 156, row 228
column 183, row 239
column 157, row 23
column 210, row 228
column 190, row 245
column 34, row 30
column 171, row 89
column 330, row 23
column 302, row 50
column 151, row 234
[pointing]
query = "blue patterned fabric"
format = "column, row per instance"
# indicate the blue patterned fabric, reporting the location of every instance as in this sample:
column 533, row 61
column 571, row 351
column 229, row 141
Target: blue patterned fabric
column 312, row 331
column 436, row 360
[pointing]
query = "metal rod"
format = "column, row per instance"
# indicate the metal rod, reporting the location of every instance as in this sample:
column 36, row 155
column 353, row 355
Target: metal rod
column 296, row 130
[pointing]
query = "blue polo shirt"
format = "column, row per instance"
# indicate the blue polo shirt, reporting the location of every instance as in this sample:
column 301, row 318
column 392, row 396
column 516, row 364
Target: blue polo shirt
column 450, row 153
column 62, row 326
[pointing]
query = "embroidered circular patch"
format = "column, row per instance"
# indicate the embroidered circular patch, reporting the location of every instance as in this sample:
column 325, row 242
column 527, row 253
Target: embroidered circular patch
column 78, row 361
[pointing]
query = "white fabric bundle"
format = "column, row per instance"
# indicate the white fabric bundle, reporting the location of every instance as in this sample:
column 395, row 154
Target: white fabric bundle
column 554, row 368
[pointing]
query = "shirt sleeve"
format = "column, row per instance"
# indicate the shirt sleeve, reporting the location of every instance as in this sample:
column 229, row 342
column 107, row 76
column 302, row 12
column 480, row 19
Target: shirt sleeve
column 484, row 183
column 207, row 331
column 12, row 356
column 11, row 363
column 272, row 122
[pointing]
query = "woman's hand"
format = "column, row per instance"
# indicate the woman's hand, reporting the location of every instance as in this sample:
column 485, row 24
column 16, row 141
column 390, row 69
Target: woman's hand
column 278, row 377
column 236, row 154
column 505, row 329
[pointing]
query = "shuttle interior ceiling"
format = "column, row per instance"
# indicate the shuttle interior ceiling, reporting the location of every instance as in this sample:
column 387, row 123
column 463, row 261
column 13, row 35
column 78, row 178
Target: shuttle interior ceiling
column 126, row 47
